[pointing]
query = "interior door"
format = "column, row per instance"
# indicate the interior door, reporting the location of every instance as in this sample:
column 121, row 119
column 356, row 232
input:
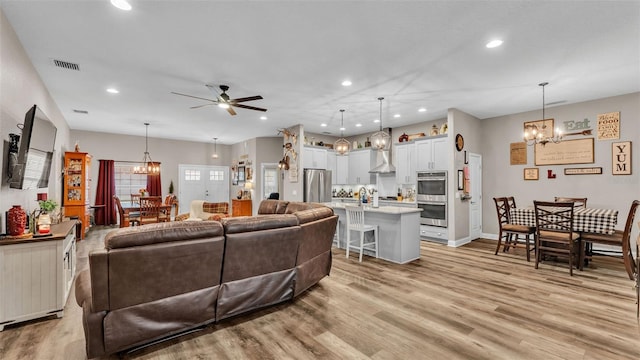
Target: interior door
column 201, row 182
column 475, row 207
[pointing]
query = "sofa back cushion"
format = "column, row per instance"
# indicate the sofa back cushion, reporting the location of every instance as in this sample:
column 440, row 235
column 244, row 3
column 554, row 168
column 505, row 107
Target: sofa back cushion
column 257, row 223
column 160, row 261
column 272, row 207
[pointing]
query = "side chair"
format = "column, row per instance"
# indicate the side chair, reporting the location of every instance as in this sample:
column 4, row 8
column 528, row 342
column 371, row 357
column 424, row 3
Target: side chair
column 555, row 235
column 508, row 230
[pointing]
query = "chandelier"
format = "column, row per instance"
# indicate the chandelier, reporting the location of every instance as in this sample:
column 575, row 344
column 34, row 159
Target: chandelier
column 380, row 140
column 147, row 166
column 341, row 146
column 541, row 135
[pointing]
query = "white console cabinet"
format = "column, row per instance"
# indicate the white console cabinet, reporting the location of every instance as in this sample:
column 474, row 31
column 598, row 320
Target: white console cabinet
column 36, row 274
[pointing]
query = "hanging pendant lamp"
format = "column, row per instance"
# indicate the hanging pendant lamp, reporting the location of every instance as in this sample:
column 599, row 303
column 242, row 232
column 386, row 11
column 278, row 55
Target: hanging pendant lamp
column 541, row 135
column 341, row 146
column 380, row 140
column 215, row 148
column 147, row 167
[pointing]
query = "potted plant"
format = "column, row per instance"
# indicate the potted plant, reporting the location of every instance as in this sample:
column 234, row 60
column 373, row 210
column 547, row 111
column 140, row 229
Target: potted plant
column 47, row 206
column 171, row 187
column 44, row 219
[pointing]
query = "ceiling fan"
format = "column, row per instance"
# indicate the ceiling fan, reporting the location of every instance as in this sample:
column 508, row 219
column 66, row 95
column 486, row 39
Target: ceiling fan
column 225, row 102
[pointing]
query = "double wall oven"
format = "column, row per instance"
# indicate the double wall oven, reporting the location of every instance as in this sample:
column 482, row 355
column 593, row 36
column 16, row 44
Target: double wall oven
column 432, row 197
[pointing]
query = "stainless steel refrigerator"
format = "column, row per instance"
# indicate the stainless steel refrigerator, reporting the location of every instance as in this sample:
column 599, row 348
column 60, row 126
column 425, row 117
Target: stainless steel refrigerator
column 317, row 185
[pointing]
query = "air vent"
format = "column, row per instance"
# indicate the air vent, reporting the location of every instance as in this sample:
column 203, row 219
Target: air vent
column 80, row 111
column 326, row 132
column 66, row 65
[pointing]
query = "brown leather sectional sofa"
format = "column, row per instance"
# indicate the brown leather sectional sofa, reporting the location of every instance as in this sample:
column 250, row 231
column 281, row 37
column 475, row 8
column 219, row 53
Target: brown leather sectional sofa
column 159, row 280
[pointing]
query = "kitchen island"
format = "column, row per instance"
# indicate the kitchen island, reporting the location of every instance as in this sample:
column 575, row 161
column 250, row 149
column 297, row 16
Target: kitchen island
column 399, row 231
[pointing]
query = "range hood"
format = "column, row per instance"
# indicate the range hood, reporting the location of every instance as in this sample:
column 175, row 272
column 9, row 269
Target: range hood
column 386, row 167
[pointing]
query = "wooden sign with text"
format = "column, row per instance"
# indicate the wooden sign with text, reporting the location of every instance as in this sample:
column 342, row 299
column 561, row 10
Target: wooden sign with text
column 621, row 158
column 609, row 126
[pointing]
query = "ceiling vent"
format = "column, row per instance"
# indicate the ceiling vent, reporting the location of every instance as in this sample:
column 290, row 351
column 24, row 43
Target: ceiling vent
column 80, row 111
column 66, row 65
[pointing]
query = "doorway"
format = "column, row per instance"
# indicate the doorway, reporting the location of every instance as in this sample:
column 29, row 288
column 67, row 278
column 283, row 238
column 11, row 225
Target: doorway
column 270, row 180
column 475, row 205
column 202, row 182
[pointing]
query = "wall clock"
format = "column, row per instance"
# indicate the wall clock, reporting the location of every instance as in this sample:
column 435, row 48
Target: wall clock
column 459, row 142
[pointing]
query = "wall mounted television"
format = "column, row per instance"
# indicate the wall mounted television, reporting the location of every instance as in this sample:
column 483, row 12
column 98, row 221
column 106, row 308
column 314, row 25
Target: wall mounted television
column 37, row 142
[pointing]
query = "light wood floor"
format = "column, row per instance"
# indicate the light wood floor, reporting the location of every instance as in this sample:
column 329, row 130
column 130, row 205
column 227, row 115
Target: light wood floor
column 454, row 303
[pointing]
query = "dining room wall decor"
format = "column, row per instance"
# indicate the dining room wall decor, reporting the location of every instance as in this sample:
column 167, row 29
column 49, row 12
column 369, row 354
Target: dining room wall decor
column 531, row 173
column 609, row 126
column 578, row 151
column 621, row 158
column 583, row 171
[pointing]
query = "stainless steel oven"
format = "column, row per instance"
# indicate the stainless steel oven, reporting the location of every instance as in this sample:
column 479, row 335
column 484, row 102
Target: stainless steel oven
column 433, row 213
column 432, row 186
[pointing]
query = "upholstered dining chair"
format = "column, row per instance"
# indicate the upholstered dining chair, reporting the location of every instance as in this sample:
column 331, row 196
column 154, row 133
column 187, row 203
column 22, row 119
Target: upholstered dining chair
column 578, row 202
column 150, row 209
column 508, row 231
column 621, row 239
column 554, row 233
column 355, row 222
column 124, row 219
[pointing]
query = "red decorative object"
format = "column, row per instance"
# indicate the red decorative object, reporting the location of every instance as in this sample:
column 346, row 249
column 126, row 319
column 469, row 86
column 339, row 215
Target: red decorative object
column 404, row 137
column 17, row 220
column 42, row 196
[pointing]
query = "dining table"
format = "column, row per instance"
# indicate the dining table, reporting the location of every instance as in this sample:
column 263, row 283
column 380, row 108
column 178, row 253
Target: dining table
column 585, row 220
column 130, row 208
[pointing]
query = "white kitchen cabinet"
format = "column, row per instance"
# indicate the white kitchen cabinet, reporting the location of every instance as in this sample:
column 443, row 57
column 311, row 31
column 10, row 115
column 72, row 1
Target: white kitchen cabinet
column 342, row 169
column 360, row 162
column 432, row 154
column 314, row 158
column 434, row 233
column 406, row 163
column 332, row 166
column 36, row 275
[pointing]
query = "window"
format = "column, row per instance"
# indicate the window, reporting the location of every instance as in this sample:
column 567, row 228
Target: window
column 192, row 175
column 127, row 182
column 270, row 176
column 216, row 175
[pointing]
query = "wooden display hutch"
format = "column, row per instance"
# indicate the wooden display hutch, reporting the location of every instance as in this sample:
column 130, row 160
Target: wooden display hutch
column 75, row 197
column 241, row 207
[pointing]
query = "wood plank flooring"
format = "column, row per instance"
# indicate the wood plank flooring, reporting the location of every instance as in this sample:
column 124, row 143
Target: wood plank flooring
column 453, row 303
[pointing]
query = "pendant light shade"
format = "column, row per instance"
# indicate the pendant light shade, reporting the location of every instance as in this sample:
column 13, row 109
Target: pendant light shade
column 215, row 148
column 380, row 140
column 147, row 166
column 341, row 146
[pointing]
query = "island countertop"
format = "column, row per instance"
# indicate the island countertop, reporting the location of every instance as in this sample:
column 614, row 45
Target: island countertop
column 380, row 209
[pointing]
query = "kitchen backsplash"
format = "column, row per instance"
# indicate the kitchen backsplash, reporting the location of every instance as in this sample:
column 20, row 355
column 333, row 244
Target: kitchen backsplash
column 353, row 191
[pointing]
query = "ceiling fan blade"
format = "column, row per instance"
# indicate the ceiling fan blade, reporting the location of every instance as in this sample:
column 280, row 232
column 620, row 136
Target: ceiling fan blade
column 230, row 110
column 248, row 98
column 195, row 97
column 249, row 107
column 199, row 106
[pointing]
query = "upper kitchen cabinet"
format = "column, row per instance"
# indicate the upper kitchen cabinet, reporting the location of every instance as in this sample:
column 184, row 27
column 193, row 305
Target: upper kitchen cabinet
column 360, row 162
column 314, row 158
column 432, row 154
column 339, row 166
column 406, row 162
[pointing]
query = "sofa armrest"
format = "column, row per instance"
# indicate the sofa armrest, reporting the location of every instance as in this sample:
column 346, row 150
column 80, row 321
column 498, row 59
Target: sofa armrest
column 99, row 275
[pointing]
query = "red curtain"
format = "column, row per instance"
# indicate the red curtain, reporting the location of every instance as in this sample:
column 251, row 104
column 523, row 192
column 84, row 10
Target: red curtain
column 105, row 208
column 154, row 186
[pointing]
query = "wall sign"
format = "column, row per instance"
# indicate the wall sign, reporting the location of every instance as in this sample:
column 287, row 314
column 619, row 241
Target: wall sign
column 621, row 158
column 531, row 173
column 609, row 126
column 565, row 152
column 518, row 153
column 583, row 171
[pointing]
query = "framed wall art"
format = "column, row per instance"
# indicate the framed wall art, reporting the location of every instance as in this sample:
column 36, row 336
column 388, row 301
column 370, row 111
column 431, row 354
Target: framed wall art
column 545, row 127
column 241, row 177
column 566, row 152
column 531, row 173
column 621, row 158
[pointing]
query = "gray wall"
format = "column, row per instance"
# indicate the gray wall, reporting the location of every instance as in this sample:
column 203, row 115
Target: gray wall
column 603, row 191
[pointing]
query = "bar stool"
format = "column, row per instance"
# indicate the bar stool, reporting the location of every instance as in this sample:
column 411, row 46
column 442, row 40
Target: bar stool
column 336, row 235
column 355, row 222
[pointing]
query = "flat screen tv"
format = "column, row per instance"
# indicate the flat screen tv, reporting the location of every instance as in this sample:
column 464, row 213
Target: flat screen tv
column 35, row 153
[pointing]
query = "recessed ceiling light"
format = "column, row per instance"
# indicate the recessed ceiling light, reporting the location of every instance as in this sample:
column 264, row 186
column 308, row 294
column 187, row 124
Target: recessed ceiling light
column 323, row 125
column 396, row 115
column 112, row 90
column 342, row 129
column 346, row 83
column 263, row 117
column 422, row 109
column 358, row 125
column 376, row 121
column 121, row 4
column 494, row 43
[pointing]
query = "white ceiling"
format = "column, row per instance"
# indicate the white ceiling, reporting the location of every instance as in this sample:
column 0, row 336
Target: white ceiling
column 296, row 54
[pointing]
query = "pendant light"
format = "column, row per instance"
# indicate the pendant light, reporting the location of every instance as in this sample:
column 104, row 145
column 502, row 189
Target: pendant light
column 380, row 140
column 215, row 148
column 147, row 167
column 341, row 146
column 534, row 135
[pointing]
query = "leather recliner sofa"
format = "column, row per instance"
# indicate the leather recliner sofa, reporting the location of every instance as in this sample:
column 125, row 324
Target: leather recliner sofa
column 156, row 281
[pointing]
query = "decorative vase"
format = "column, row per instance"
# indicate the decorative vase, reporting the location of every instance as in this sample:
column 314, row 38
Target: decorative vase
column 404, row 137
column 17, row 220
column 44, row 223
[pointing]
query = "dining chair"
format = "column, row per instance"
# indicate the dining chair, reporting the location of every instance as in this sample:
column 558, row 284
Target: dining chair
column 125, row 220
column 172, row 202
column 135, row 199
column 150, row 209
column 577, row 202
column 355, row 222
column 507, row 231
column 554, row 233
column 621, row 239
